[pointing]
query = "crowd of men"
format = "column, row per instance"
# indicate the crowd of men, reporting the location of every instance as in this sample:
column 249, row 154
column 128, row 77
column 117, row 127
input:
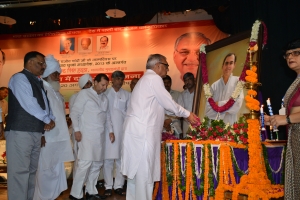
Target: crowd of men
column 109, row 126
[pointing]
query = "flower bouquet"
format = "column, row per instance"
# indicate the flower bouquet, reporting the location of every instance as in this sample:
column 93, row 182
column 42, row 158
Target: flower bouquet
column 217, row 130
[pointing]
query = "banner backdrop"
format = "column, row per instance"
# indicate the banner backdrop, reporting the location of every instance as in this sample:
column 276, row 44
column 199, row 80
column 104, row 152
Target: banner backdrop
column 104, row 50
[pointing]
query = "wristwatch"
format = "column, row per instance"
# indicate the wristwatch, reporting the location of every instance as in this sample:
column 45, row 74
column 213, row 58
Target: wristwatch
column 288, row 119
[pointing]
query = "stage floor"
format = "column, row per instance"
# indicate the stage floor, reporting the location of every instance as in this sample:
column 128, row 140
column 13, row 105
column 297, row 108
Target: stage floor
column 65, row 195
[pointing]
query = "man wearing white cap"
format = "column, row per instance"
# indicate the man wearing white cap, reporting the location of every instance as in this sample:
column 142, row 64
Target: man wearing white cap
column 56, row 147
column 84, row 82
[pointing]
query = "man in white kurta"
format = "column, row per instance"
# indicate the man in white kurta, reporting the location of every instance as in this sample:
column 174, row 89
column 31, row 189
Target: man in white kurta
column 90, row 116
column 140, row 158
column 51, row 176
column 118, row 102
column 84, row 82
column 186, row 98
column 172, row 122
column 222, row 90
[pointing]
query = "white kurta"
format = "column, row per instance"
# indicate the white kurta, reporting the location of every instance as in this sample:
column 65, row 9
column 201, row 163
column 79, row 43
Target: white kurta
column 90, row 115
column 221, row 94
column 143, row 126
column 72, row 100
column 186, row 100
column 118, row 103
column 51, row 176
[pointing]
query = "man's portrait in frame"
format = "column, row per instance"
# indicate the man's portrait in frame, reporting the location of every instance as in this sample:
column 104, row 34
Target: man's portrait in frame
column 215, row 56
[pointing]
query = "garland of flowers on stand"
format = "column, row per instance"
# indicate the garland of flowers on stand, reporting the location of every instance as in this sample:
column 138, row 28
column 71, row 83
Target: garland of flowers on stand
column 175, row 170
column 237, row 168
column 251, row 77
column 165, row 192
column 181, row 186
column 196, row 191
column 206, row 173
column 188, row 170
column 226, row 175
column 181, row 170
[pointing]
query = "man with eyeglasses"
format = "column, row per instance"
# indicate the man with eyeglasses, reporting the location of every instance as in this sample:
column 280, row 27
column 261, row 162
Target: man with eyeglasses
column 29, row 117
column 140, row 156
column 51, row 175
column 186, row 52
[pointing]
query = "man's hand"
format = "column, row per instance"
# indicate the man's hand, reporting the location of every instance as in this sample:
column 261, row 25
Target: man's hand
column 112, row 137
column 49, row 126
column 167, row 125
column 43, row 141
column 78, row 136
column 193, row 119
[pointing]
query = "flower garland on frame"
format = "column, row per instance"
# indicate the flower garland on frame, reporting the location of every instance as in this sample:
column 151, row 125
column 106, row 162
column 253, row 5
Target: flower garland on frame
column 240, row 84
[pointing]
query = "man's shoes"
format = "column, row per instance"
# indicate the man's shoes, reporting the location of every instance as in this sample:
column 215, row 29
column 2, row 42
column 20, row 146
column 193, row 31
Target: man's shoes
column 94, row 196
column 73, row 198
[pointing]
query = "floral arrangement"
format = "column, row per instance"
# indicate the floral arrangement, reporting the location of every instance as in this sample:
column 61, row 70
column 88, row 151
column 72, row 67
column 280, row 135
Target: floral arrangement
column 217, row 130
column 168, row 136
column 3, row 157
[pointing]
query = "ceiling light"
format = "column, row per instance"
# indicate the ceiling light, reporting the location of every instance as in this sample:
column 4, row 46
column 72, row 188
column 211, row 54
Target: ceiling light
column 7, row 20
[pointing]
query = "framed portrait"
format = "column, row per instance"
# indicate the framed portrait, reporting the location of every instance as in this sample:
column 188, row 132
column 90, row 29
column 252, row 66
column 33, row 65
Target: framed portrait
column 85, row 44
column 215, row 54
column 67, row 46
column 104, row 43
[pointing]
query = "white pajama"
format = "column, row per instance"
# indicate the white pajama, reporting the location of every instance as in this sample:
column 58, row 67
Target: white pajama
column 50, row 183
column 140, row 187
column 108, row 174
column 86, row 172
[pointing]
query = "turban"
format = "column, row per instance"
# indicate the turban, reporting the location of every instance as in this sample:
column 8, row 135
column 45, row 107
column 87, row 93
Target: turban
column 52, row 66
column 84, row 79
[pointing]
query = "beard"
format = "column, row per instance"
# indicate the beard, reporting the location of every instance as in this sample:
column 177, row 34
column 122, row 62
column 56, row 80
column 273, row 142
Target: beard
column 55, row 85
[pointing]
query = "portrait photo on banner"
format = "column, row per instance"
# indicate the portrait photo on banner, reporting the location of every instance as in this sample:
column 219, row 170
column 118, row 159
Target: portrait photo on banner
column 104, row 43
column 85, row 44
column 215, row 57
column 67, row 45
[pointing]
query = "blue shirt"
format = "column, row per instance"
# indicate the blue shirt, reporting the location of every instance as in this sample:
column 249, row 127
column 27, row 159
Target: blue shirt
column 21, row 88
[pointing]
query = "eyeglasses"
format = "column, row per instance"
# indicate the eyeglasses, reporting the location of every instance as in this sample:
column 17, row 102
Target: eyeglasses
column 187, row 52
column 165, row 64
column 40, row 63
column 293, row 53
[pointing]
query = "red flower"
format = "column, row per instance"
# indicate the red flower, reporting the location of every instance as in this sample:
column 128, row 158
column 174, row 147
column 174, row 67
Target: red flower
column 4, row 154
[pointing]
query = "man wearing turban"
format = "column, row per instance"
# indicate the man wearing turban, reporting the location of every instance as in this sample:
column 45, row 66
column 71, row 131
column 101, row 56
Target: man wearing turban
column 56, row 146
column 84, row 82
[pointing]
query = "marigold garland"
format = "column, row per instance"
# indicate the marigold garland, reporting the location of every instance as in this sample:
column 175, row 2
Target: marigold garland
column 165, row 192
column 155, row 191
column 188, row 164
column 175, row 170
column 252, row 92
